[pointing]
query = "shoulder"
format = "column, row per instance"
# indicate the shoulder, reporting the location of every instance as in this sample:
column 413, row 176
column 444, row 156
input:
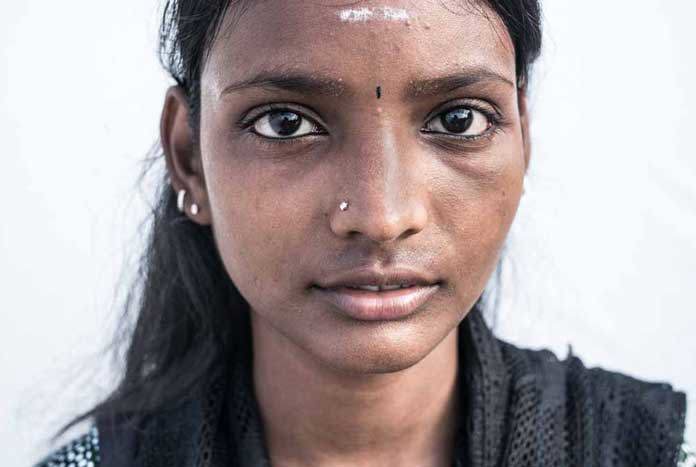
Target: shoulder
column 616, row 415
column 110, row 441
column 168, row 435
column 80, row 452
column 610, row 389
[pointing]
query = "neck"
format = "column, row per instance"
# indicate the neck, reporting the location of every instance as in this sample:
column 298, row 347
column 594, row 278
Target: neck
column 316, row 415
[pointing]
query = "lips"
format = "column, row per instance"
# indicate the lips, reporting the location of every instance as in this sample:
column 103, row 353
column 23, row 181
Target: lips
column 373, row 276
column 385, row 305
column 380, row 288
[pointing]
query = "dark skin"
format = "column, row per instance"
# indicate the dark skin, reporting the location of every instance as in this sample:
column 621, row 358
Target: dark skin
column 335, row 391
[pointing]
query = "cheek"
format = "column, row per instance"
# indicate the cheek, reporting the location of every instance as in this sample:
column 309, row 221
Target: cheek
column 258, row 230
column 480, row 219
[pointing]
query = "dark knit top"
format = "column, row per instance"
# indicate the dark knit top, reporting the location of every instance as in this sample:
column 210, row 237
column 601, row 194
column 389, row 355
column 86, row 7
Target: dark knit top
column 520, row 408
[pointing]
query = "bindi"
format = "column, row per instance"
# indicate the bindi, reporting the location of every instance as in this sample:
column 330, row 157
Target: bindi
column 378, row 91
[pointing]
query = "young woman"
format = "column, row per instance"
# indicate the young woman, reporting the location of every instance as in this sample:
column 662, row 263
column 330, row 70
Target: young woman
column 340, row 179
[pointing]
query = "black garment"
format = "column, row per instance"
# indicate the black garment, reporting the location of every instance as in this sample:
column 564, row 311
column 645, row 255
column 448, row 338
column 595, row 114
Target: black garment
column 521, row 408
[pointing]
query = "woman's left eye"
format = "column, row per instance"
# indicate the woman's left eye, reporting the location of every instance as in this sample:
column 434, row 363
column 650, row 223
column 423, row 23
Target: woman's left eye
column 284, row 124
column 460, row 121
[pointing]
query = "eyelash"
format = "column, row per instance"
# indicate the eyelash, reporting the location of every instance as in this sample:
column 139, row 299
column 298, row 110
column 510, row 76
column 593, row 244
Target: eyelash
column 247, row 122
column 249, row 119
column 493, row 115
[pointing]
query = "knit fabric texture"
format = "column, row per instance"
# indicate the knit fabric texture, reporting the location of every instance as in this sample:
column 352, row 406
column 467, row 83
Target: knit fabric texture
column 521, row 408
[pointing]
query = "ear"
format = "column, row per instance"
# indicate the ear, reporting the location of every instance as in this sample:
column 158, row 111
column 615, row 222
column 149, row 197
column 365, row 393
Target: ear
column 524, row 121
column 182, row 155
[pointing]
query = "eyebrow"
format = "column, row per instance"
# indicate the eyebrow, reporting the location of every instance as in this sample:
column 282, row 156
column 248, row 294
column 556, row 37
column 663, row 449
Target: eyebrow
column 317, row 84
column 454, row 81
column 298, row 82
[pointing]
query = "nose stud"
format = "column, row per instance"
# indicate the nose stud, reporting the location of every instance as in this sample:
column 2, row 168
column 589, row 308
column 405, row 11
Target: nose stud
column 343, row 206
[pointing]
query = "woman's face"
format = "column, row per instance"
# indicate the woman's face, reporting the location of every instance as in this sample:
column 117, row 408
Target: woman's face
column 409, row 112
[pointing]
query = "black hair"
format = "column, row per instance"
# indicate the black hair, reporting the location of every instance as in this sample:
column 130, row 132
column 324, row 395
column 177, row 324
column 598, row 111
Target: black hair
column 178, row 319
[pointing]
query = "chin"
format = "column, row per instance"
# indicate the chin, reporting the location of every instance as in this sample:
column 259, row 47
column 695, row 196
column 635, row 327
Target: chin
column 323, row 338
column 381, row 364
column 375, row 364
column 376, row 349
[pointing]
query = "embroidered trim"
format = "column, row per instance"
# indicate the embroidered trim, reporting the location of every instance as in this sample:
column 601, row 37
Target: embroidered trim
column 81, row 452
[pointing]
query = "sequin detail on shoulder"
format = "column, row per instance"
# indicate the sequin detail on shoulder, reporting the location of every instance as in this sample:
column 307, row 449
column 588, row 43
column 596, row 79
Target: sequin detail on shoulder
column 687, row 457
column 81, row 452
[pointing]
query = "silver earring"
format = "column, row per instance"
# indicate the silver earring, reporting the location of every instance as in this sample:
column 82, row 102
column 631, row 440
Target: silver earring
column 181, row 206
column 343, row 206
column 180, row 200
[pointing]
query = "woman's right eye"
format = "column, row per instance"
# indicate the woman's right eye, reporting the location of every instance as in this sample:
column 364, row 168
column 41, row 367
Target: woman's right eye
column 285, row 124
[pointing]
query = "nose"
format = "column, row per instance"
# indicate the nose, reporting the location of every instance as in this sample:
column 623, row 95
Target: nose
column 384, row 184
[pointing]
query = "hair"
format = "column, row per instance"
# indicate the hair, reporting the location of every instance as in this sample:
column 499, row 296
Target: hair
column 178, row 319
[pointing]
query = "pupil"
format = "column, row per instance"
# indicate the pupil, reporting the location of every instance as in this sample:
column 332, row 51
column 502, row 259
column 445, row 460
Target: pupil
column 457, row 120
column 285, row 123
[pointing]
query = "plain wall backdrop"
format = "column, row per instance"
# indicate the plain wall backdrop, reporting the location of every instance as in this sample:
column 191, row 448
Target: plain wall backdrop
column 602, row 255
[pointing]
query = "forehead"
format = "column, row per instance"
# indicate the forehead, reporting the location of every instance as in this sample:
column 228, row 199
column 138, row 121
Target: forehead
column 364, row 41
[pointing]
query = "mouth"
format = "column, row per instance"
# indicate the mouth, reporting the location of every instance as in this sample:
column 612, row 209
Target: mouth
column 376, row 303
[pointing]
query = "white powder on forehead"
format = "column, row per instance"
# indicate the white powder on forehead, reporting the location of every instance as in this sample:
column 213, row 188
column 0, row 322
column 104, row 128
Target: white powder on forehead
column 397, row 14
column 385, row 13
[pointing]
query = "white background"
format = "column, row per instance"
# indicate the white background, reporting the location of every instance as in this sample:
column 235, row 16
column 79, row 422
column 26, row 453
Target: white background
column 602, row 255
